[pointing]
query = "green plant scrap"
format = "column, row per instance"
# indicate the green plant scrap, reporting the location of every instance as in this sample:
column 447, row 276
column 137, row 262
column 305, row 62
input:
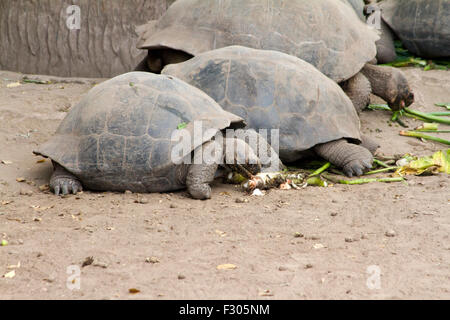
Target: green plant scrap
column 439, row 162
column 407, row 59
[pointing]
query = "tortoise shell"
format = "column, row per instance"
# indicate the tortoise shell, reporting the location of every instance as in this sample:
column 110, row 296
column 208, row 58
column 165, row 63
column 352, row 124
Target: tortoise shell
column 273, row 90
column 422, row 25
column 119, row 136
column 326, row 33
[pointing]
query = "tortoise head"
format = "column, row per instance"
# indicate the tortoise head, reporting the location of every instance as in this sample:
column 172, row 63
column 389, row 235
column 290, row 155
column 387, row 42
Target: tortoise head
column 404, row 97
column 241, row 158
column 157, row 59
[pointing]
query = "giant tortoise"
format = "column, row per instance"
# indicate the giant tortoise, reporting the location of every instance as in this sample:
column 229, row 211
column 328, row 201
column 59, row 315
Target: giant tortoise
column 422, row 25
column 120, row 137
column 326, row 33
column 273, row 90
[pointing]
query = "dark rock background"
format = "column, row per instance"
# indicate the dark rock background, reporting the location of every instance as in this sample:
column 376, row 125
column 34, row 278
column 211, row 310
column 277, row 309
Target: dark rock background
column 34, row 37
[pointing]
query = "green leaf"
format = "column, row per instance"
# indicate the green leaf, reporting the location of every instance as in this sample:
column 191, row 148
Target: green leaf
column 438, row 162
column 182, row 125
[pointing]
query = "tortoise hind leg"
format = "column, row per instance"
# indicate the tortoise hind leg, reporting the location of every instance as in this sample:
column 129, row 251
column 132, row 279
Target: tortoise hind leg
column 62, row 181
column 358, row 89
column 352, row 158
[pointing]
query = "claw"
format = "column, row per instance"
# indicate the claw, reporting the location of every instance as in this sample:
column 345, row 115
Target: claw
column 74, row 188
column 65, row 189
column 57, row 189
column 358, row 171
column 348, row 172
column 367, row 164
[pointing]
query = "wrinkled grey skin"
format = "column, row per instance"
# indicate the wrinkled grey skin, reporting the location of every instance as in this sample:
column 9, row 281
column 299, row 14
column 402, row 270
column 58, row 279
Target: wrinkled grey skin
column 119, row 137
column 422, row 25
column 34, row 37
column 302, row 28
column 273, row 90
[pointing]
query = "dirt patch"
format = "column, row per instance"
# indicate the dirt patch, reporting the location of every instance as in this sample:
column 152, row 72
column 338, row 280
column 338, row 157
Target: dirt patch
column 313, row 243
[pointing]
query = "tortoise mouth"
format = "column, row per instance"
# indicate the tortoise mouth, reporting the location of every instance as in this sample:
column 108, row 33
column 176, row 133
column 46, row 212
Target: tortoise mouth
column 246, row 170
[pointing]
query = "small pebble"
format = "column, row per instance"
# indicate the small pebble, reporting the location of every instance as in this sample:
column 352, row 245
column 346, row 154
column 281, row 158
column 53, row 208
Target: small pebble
column 24, row 192
column 101, row 265
column 241, row 200
column 390, row 233
column 334, row 214
column 142, row 201
column 308, row 266
column 128, row 192
column 181, row 277
column 257, row 193
column 173, row 206
column 44, row 187
column 152, row 260
column 298, row 235
column 349, row 239
column 282, row 268
column 87, row 262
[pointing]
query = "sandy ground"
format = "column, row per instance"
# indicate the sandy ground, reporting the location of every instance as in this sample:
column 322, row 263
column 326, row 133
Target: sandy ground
column 316, row 243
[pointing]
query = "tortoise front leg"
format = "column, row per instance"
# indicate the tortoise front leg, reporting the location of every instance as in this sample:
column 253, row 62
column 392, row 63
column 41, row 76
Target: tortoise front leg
column 353, row 159
column 202, row 172
column 62, row 181
column 198, row 178
column 358, row 89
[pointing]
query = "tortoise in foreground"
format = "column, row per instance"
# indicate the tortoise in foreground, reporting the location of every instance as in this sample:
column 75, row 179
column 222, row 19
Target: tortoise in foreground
column 423, row 26
column 119, row 137
column 273, row 90
column 326, row 33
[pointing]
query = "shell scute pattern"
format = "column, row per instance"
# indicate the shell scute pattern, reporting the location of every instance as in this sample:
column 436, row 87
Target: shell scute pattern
column 272, row 90
column 118, row 137
column 422, row 25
